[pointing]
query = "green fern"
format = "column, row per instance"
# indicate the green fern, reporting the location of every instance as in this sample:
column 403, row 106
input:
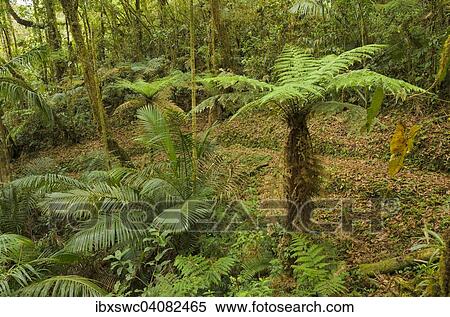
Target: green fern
column 305, row 83
column 149, row 90
column 197, row 276
column 315, row 272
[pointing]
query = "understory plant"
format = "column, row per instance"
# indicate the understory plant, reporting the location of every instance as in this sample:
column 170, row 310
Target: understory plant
column 305, row 86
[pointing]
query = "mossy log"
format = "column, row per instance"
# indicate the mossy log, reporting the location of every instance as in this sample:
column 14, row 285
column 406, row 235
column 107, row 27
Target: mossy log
column 444, row 267
column 394, row 264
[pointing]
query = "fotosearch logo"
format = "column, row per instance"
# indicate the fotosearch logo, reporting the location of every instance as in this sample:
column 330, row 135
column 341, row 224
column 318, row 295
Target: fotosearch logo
column 320, row 215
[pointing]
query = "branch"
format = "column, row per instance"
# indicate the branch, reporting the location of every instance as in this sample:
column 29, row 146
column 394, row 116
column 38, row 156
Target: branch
column 26, row 23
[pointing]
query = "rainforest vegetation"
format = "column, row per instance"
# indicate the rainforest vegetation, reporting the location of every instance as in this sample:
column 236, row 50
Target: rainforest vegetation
column 224, row 148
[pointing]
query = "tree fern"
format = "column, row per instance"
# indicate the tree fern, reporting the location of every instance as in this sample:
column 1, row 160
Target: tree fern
column 149, row 90
column 303, row 86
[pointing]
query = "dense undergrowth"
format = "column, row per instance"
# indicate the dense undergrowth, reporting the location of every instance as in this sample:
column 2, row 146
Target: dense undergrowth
column 117, row 182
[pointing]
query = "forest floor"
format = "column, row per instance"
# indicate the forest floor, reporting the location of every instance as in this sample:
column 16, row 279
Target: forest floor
column 354, row 167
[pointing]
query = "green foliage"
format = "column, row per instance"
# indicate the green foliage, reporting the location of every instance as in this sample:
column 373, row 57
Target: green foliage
column 305, row 82
column 315, row 272
column 197, row 276
column 63, row 286
column 24, row 271
column 149, row 90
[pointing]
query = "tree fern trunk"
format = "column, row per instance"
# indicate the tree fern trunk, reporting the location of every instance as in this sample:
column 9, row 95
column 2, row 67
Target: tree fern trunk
column 302, row 175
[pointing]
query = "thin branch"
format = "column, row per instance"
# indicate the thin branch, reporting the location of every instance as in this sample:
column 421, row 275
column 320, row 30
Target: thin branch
column 18, row 19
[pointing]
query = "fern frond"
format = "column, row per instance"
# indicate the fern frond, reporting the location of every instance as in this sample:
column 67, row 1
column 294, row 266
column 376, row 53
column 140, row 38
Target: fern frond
column 334, row 65
column 149, row 90
column 294, row 65
column 371, row 80
column 240, row 83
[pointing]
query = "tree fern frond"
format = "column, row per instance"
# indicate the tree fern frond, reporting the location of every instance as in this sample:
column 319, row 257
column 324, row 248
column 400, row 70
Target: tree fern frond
column 237, row 82
column 368, row 79
column 293, row 65
column 149, row 90
column 334, row 65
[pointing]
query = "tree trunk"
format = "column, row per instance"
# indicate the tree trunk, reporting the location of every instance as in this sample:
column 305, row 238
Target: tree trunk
column 302, row 182
column 222, row 34
column 87, row 60
column 193, row 93
column 138, row 28
column 54, row 38
column 5, row 169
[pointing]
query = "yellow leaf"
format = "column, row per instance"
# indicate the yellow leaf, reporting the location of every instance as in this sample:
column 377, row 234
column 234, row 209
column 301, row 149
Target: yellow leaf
column 401, row 144
column 398, row 142
column 411, row 136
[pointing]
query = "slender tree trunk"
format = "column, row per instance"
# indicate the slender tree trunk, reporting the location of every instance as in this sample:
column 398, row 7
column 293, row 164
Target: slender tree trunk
column 138, row 28
column 54, row 38
column 222, row 33
column 5, row 157
column 194, row 93
column 212, row 40
column 101, row 37
column 6, row 31
column 87, row 60
column 302, row 181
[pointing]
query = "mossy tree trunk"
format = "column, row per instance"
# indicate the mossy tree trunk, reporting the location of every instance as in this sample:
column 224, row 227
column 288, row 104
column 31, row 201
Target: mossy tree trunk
column 5, row 168
column 87, row 61
column 193, row 93
column 54, row 38
column 302, row 173
column 220, row 35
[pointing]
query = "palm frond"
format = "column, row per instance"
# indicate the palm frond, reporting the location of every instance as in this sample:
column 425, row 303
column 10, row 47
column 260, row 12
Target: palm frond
column 25, row 60
column 63, row 286
column 182, row 218
column 14, row 91
column 106, row 231
column 157, row 132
